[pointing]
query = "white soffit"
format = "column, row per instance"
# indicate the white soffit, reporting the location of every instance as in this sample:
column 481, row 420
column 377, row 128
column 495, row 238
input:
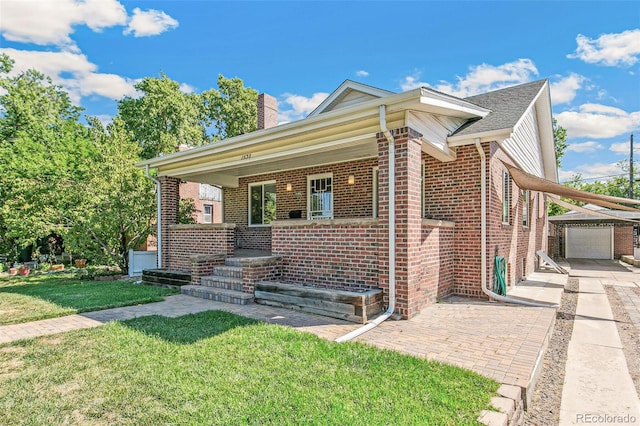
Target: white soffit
column 434, row 130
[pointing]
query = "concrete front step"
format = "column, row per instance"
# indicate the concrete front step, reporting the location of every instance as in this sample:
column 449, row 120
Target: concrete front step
column 226, row 283
column 218, row 294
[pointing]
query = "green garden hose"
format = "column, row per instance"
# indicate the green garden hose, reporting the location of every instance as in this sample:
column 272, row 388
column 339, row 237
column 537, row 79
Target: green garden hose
column 499, row 282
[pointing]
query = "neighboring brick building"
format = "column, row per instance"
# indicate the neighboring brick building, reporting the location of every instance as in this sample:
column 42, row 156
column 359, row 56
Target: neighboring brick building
column 316, row 192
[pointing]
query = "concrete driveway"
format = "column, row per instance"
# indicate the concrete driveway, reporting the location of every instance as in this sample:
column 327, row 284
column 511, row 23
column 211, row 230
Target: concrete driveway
column 598, row 387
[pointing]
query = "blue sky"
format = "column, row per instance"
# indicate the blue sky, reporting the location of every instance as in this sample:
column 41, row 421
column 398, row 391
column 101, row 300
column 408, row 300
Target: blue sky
column 301, row 51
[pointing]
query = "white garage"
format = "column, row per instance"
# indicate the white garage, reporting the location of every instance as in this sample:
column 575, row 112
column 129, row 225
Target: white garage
column 589, row 242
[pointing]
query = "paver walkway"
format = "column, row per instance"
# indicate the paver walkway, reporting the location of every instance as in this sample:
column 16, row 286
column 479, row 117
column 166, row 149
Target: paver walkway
column 597, row 385
column 504, row 342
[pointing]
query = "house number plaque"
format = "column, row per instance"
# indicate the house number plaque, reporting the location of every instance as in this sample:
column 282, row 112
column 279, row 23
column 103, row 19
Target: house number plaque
column 245, row 156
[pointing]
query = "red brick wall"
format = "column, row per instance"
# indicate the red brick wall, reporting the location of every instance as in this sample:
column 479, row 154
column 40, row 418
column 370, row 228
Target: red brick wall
column 192, row 190
column 622, row 240
column 329, row 253
column 350, row 201
column 436, row 261
column 452, row 193
column 186, row 241
column 516, row 243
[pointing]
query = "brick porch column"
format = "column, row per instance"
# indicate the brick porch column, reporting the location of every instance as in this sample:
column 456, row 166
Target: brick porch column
column 169, row 202
column 408, row 217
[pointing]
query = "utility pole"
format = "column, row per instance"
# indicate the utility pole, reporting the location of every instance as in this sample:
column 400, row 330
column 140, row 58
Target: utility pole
column 631, row 167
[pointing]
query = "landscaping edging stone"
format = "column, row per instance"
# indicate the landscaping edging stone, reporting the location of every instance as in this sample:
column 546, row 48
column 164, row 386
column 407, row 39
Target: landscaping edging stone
column 510, row 408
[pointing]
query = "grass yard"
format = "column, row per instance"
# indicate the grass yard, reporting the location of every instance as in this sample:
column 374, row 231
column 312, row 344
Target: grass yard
column 38, row 297
column 219, row 368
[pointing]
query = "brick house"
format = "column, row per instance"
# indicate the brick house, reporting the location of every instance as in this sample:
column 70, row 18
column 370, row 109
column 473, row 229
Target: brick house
column 313, row 197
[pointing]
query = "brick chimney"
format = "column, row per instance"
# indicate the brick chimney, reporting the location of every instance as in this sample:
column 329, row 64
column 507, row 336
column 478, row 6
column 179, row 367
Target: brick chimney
column 267, row 111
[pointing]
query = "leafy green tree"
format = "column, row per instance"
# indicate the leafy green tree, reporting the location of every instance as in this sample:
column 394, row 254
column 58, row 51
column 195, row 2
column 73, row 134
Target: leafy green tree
column 60, row 176
column 231, row 109
column 42, row 149
column 117, row 212
column 163, row 117
column 559, row 141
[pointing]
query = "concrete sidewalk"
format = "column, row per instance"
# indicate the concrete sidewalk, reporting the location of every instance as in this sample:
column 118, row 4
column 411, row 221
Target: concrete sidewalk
column 597, row 385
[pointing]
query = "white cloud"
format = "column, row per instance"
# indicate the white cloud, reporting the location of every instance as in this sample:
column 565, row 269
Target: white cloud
column 609, row 49
column 51, row 22
column 149, row 22
column 485, row 78
column 105, row 119
column 564, row 90
column 186, row 88
column 413, row 82
column 362, row 73
column 620, row 148
column 589, row 171
column 598, row 121
column 74, row 72
column 590, row 146
column 299, row 106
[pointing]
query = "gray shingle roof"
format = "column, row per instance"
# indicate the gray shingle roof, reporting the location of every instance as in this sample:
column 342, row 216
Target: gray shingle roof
column 506, row 105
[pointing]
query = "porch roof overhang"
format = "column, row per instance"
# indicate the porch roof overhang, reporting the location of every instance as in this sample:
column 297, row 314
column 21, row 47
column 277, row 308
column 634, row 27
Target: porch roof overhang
column 346, row 134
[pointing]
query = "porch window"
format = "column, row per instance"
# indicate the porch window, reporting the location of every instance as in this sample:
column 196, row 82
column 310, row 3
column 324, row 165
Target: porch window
column 525, row 208
column 376, row 196
column 422, row 189
column 207, row 213
column 262, row 203
column 506, row 196
column 320, row 201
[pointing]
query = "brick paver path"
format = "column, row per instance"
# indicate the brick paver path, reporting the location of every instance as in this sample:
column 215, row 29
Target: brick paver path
column 500, row 341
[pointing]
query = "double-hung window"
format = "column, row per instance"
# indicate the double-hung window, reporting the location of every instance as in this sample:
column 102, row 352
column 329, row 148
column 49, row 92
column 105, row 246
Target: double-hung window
column 506, row 197
column 207, row 213
column 320, row 201
column 262, row 203
column 525, row 208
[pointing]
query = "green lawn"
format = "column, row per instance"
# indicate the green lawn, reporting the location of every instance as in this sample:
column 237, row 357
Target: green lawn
column 43, row 296
column 219, row 368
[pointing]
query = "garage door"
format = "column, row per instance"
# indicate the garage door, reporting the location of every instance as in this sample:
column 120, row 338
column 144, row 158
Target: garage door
column 589, row 243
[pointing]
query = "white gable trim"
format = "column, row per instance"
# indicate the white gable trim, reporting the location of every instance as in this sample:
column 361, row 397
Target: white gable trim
column 346, row 87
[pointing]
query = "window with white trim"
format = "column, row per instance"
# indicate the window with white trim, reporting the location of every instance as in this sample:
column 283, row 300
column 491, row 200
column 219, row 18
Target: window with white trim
column 376, row 196
column 525, row 208
column 506, row 196
column 320, row 196
column 207, row 213
column 262, row 203
column 422, row 189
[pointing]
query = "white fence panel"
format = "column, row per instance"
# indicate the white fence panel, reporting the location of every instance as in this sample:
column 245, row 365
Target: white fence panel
column 140, row 260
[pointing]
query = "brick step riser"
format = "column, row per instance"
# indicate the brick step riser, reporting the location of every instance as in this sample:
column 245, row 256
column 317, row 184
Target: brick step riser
column 228, row 271
column 216, row 282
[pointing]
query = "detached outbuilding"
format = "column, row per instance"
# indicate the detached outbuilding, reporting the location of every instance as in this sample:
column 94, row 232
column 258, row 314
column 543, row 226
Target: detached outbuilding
column 602, row 234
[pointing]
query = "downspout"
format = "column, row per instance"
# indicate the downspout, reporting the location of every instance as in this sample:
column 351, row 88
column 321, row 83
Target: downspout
column 392, row 234
column 483, row 239
column 158, row 215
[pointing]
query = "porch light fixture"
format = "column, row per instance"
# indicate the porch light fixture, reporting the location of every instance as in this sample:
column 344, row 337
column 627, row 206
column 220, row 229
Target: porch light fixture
column 288, row 187
column 351, row 180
